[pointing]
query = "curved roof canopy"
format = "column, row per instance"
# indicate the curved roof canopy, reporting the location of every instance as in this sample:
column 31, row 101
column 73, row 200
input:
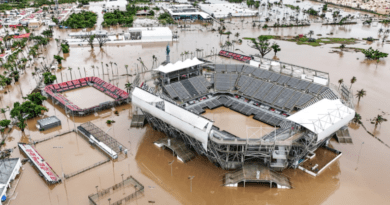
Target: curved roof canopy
column 324, row 117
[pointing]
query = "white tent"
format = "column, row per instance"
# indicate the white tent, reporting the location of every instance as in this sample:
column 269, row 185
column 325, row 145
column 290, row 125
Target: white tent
column 324, row 117
column 179, row 65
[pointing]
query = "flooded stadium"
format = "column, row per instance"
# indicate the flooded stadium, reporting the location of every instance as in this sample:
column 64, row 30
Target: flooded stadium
column 359, row 176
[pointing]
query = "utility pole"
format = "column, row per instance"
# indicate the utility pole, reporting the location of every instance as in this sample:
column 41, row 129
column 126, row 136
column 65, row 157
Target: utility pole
column 151, row 188
column 170, row 163
column 359, row 156
column 60, row 159
column 97, row 192
column 191, row 178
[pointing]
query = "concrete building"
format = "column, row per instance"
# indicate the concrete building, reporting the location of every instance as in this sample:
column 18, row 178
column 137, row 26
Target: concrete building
column 227, row 10
column 179, row 12
column 47, row 123
column 9, row 169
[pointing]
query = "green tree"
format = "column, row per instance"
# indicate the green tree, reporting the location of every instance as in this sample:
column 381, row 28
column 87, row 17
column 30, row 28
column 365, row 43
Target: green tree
column 128, row 87
column 262, row 44
column 65, row 48
column 27, row 107
column 357, row 119
column 90, row 40
column 21, row 122
column 340, row 82
column 311, row 33
column 342, row 46
column 5, row 123
column 49, row 77
column 325, row 7
column 276, row 48
column 378, row 120
column 353, row 80
column 372, row 54
column 360, row 93
column 59, row 59
column 36, row 98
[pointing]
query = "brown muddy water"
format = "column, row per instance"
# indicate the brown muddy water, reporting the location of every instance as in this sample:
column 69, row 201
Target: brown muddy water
column 237, row 123
column 86, row 97
column 69, row 153
column 347, row 181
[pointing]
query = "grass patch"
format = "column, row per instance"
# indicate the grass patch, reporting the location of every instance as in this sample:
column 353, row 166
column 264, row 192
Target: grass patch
column 305, row 41
column 268, row 36
column 292, row 7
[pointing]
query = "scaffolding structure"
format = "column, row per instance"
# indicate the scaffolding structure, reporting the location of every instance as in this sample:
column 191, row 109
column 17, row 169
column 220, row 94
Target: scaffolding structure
column 129, row 181
column 88, row 129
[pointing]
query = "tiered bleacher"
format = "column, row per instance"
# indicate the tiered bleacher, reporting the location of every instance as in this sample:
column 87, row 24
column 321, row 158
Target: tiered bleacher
column 241, row 106
column 235, row 56
column 55, row 91
column 268, row 87
column 188, row 88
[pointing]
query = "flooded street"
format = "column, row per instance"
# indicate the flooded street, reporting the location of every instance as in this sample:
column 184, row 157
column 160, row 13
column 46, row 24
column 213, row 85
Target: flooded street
column 347, row 181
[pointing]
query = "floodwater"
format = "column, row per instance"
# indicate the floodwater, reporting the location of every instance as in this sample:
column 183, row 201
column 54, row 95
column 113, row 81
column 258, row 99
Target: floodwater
column 86, row 97
column 322, row 158
column 360, row 176
column 69, row 153
column 237, row 123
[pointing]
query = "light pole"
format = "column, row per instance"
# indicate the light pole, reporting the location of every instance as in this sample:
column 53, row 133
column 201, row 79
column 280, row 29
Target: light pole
column 60, row 159
column 191, row 178
column 359, row 156
column 170, row 163
column 151, row 188
column 130, row 149
column 123, row 183
column 97, row 192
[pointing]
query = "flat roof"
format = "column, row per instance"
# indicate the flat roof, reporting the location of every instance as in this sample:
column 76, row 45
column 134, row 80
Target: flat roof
column 7, row 166
column 48, row 121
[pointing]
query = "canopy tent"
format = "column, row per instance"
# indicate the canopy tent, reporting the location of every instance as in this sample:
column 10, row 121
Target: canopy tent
column 179, row 65
column 324, row 117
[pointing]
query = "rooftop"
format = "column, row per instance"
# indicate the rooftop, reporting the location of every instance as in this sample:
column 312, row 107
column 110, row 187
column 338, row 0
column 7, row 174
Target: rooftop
column 7, row 167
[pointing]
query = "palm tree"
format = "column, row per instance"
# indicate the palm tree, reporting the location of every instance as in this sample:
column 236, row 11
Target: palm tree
column 340, row 82
column 112, row 70
column 276, row 47
column 237, row 35
column 342, row 46
column 360, row 93
column 128, row 86
column 102, row 68
column 357, row 119
column 378, row 120
column 70, row 71
column 353, row 80
column 311, row 32
column 79, row 71
column 127, row 72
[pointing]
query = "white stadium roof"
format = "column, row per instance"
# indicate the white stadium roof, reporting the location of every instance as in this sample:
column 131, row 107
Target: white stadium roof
column 324, row 117
column 193, row 125
column 179, row 65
